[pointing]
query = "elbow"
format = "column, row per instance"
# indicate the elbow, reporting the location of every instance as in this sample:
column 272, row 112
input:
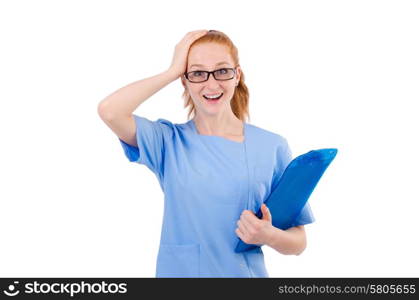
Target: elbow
column 300, row 251
column 301, row 241
column 104, row 111
column 301, row 247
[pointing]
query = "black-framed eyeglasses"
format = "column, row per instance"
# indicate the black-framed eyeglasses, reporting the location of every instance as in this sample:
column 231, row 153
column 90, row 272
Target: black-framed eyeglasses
column 201, row 76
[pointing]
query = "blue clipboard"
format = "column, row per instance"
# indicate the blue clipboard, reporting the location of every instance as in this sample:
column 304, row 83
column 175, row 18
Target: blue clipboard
column 293, row 190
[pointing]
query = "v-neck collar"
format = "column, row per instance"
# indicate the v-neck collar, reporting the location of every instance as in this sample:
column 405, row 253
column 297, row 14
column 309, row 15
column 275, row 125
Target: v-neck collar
column 192, row 123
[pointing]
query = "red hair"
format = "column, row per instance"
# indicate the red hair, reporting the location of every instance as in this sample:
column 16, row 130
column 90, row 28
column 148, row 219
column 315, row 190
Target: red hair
column 240, row 101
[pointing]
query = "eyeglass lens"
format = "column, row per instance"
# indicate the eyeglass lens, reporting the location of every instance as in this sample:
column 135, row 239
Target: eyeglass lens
column 221, row 74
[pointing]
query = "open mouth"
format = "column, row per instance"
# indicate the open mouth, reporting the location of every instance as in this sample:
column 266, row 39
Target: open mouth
column 213, row 98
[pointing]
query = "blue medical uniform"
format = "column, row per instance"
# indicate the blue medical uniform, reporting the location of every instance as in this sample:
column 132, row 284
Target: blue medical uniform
column 207, row 182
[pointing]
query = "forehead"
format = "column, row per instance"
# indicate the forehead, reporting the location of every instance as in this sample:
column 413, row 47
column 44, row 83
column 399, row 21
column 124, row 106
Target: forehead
column 209, row 55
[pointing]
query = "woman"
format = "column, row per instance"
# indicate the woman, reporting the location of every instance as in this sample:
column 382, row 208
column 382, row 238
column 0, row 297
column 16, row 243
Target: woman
column 215, row 170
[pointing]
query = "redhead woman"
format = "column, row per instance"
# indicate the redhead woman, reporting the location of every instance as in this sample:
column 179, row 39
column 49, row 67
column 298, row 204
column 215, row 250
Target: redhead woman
column 215, row 170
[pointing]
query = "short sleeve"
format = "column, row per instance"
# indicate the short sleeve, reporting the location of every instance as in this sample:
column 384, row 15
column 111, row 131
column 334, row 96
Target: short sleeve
column 284, row 157
column 152, row 138
column 305, row 217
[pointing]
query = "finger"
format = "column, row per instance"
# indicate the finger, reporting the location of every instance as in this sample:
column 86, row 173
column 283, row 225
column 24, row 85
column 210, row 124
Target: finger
column 247, row 222
column 247, row 213
column 266, row 213
column 194, row 35
column 195, row 31
column 242, row 226
column 240, row 234
column 200, row 31
column 250, row 218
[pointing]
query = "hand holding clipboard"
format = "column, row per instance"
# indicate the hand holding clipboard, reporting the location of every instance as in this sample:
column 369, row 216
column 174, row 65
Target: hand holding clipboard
column 294, row 188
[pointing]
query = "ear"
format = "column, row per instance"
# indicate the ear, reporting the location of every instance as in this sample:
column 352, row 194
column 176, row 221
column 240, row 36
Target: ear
column 182, row 79
column 238, row 74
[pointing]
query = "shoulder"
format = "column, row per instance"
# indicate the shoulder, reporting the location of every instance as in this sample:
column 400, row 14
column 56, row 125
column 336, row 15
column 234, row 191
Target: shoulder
column 161, row 126
column 267, row 137
column 162, row 123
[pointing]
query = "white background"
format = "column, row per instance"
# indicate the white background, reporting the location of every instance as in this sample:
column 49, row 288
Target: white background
column 323, row 74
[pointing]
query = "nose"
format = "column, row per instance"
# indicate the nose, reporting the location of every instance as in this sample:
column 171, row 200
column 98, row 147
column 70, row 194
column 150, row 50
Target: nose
column 212, row 82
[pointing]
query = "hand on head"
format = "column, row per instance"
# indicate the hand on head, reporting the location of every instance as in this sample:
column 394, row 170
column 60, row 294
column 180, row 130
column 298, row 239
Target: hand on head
column 180, row 57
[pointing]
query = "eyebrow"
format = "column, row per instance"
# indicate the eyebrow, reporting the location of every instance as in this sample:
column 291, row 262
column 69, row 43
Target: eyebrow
column 220, row 63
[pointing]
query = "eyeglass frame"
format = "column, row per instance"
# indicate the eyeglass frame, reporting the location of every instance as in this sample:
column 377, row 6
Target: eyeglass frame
column 209, row 73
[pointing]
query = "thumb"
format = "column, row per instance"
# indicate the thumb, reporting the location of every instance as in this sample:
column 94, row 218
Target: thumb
column 266, row 213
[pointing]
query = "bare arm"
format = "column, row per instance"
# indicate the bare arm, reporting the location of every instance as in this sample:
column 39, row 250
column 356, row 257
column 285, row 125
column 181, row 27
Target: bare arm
column 116, row 109
column 290, row 241
column 253, row 230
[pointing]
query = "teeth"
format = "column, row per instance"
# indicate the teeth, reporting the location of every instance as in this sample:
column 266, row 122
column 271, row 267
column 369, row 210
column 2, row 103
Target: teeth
column 213, row 96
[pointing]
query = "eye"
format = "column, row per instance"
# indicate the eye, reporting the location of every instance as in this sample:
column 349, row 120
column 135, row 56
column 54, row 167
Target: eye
column 197, row 73
column 222, row 71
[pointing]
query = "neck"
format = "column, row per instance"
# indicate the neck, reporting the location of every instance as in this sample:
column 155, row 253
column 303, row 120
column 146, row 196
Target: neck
column 221, row 124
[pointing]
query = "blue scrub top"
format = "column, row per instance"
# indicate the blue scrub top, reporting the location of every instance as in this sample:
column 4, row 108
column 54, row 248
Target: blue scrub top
column 207, row 182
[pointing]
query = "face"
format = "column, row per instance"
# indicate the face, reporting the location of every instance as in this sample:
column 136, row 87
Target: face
column 211, row 57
